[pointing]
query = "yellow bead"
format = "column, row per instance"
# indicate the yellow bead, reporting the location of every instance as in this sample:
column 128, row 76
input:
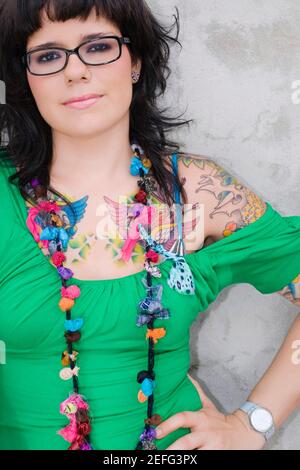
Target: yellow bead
column 70, row 408
column 146, row 163
column 226, row 233
column 55, row 218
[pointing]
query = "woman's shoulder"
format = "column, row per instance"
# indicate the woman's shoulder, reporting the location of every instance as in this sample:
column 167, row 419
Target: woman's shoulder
column 228, row 202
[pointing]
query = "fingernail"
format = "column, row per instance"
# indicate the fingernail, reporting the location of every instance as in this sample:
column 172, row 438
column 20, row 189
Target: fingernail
column 158, row 432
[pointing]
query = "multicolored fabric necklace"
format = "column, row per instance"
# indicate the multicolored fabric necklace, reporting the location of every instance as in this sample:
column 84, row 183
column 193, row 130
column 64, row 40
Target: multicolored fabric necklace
column 52, row 226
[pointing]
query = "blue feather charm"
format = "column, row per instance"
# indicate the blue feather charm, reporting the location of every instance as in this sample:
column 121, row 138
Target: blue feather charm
column 75, row 211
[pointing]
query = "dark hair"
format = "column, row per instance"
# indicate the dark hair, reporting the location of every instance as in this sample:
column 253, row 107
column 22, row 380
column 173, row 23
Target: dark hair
column 29, row 143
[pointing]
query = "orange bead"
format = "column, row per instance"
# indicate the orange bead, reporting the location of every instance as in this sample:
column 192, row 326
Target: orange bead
column 141, row 397
column 57, row 220
column 156, row 334
column 65, row 359
column 66, row 304
column 232, row 226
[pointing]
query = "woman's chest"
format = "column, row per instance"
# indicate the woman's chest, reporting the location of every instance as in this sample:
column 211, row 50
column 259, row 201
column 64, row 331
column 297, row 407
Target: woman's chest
column 30, row 291
column 108, row 245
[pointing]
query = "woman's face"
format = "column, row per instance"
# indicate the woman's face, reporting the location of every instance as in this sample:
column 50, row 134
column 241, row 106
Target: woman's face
column 113, row 80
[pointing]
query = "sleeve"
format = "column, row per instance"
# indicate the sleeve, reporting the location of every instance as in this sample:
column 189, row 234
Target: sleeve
column 265, row 254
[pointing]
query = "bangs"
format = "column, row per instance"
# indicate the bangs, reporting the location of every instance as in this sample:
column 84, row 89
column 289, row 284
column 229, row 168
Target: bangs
column 25, row 17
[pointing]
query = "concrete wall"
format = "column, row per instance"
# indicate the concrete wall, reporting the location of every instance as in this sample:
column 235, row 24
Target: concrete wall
column 234, row 76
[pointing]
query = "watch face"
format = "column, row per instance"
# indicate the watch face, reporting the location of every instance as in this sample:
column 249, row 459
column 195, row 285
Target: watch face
column 261, row 420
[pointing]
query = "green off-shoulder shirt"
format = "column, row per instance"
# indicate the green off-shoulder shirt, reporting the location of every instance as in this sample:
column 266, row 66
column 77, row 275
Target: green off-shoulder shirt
column 112, row 349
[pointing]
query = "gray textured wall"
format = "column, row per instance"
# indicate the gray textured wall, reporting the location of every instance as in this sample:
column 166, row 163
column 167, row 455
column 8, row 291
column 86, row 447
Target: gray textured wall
column 234, row 76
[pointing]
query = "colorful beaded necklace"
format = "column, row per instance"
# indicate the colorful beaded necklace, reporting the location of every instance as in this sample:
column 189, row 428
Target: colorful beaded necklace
column 52, row 226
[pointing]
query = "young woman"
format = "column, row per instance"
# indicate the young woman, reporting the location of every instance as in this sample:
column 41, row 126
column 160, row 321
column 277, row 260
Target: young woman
column 95, row 326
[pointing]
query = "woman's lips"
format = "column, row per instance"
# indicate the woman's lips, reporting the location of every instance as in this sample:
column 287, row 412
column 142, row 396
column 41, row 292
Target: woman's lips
column 84, row 103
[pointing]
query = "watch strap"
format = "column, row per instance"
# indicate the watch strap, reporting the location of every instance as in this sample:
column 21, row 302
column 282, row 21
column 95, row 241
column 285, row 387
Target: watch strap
column 248, row 407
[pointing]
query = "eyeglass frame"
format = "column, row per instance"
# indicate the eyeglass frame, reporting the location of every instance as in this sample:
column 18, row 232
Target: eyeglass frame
column 121, row 40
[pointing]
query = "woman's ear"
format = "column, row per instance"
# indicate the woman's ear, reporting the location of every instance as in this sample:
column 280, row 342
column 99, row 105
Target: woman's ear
column 136, row 71
column 137, row 66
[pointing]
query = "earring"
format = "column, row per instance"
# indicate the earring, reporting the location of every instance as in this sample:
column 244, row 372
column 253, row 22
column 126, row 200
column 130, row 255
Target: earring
column 135, row 77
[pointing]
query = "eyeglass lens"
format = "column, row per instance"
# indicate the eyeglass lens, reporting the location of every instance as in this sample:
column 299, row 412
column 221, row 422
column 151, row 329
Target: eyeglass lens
column 96, row 52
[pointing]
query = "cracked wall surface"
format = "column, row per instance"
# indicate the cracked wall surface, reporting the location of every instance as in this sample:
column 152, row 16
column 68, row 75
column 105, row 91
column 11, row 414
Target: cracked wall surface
column 234, row 77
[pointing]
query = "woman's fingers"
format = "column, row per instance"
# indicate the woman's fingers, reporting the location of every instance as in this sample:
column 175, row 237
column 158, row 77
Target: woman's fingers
column 185, row 419
column 190, row 441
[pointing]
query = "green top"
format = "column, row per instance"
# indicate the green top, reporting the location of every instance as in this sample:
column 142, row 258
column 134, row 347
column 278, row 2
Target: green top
column 113, row 349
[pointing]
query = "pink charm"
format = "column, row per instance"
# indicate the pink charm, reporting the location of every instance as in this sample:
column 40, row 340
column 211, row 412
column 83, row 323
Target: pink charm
column 71, row 292
column 67, row 408
column 69, row 433
column 34, row 228
column 152, row 256
column 133, row 234
column 48, row 206
column 67, row 373
column 74, row 399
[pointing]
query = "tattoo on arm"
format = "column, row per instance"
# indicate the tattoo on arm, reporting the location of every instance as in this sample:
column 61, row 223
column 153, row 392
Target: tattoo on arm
column 234, row 205
column 291, row 292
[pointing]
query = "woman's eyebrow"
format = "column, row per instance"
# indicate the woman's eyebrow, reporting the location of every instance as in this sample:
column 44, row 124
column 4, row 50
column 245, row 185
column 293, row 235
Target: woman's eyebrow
column 86, row 37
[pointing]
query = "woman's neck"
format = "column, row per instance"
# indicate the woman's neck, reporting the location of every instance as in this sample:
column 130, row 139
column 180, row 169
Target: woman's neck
column 84, row 167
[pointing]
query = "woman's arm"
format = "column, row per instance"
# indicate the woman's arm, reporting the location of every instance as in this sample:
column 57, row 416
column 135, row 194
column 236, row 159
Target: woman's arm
column 278, row 391
column 279, row 388
column 229, row 206
column 229, row 203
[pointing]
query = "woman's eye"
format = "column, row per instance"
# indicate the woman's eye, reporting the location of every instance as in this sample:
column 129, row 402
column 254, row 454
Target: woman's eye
column 98, row 47
column 47, row 57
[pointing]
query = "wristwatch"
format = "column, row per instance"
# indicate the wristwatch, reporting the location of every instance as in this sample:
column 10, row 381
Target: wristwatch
column 260, row 418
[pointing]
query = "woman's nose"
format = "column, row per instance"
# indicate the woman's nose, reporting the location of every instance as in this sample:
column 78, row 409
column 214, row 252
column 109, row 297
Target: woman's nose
column 75, row 67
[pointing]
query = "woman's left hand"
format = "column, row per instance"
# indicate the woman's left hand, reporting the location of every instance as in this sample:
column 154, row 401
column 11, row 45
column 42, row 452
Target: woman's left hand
column 212, row 430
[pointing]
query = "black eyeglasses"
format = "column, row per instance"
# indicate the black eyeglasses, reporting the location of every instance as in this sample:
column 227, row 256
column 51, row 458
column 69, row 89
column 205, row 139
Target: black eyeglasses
column 98, row 51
